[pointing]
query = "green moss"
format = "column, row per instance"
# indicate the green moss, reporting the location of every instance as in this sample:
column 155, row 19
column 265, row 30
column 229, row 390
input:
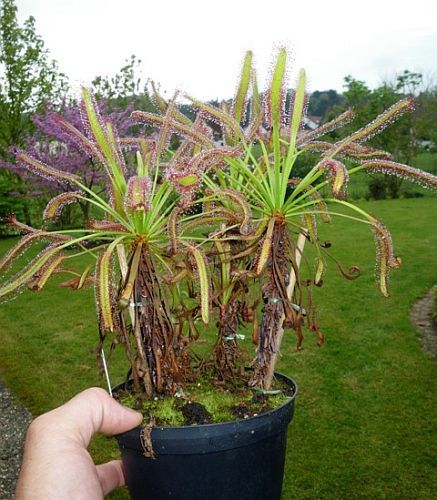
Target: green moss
column 223, row 405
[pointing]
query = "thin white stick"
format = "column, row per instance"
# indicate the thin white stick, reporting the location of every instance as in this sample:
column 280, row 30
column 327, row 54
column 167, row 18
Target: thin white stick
column 105, row 368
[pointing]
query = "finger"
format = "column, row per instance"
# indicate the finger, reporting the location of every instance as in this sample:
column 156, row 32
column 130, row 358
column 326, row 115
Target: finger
column 111, row 476
column 91, row 411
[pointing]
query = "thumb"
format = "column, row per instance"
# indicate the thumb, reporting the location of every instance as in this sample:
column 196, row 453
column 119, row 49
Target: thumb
column 92, row 411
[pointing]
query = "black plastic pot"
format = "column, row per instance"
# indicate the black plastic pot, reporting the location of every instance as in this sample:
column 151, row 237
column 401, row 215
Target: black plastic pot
column 241, row 460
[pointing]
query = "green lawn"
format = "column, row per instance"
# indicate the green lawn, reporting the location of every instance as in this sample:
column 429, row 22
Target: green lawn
column 365, row 422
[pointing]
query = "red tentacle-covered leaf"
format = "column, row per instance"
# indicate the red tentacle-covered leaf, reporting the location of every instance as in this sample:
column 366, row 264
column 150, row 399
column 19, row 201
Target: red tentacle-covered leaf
column 385, row 259
column 43, row 275
column 213, row 158
column 275, row 96
column 185, row 181
column 177, row 128
column 138, row 193
column 377, row 125
column 334, row 124
column 41, row 169
column 353, row 151
column 105, row 225
column 54, row 207
column 425, row 179
column 85, row 144
column 339, row 175
column 18, row 249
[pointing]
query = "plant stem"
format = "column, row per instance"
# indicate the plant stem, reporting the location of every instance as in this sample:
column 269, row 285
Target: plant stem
column 280, row 331
column 135, row 329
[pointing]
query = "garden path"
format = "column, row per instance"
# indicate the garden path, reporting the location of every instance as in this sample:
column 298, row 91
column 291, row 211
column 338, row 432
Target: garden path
column 421, row 317
column 14, row 419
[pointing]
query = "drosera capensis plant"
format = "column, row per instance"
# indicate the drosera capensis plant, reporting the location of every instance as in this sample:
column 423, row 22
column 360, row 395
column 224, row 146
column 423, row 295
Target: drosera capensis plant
column 204, row 233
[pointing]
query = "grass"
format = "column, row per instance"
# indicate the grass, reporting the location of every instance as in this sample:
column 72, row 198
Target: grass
column 365, row 421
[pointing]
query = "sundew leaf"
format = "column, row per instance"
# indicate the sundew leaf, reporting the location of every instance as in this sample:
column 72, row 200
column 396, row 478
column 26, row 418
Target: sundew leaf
column 320, row 269
column 46, row 272
column 178, row 128
column 105, row 138
column 266, row 247
column 238, row 200
column 376, row 126
column 104, row 286
column 219, row 116
column 18, row 249
column 239, row 103
column 27, row 272
column 213, row 158
column 352, row 151
column 339, row 175
column 334, row 124
column 276, row 93
column 201, row 270
column 157, row 99
column 54, row 207
column 82, row 141
column 424, row 179
column 297, row 113
column 37, row 167
column 256, row 100
column 166, row 131
column 297, row 110
column 311, row 226
column 385, row 258
column 162, row 105
column 84, row 276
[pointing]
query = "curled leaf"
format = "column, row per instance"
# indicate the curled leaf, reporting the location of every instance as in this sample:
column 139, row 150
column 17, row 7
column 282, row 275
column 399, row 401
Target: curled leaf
column 385, row 258
column 137, row 195
column 54, row 207
column 339, row 175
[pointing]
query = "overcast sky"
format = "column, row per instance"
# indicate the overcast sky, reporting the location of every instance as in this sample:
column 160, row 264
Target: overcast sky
column 197, row 46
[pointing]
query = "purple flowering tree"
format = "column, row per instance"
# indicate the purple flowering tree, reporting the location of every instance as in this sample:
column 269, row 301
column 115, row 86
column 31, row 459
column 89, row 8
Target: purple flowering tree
column 53, row 144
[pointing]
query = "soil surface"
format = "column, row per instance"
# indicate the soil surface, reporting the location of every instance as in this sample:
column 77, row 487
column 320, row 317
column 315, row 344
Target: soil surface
column 195, row 414
column 14, row 420
column 421, row 317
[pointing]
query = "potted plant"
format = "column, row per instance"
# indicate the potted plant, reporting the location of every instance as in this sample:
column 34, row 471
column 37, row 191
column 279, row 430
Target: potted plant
column 203, row 233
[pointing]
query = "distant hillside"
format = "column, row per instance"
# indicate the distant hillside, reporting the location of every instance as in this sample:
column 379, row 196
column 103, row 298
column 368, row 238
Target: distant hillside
column 322, row 101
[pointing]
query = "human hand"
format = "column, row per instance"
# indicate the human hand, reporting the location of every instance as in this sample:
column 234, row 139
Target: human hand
column 56, row 463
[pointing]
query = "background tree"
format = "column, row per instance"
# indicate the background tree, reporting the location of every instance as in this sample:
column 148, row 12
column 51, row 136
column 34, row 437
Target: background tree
column 321, row 102
column 27, row 79
column 402, row 139
column 52, row 144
